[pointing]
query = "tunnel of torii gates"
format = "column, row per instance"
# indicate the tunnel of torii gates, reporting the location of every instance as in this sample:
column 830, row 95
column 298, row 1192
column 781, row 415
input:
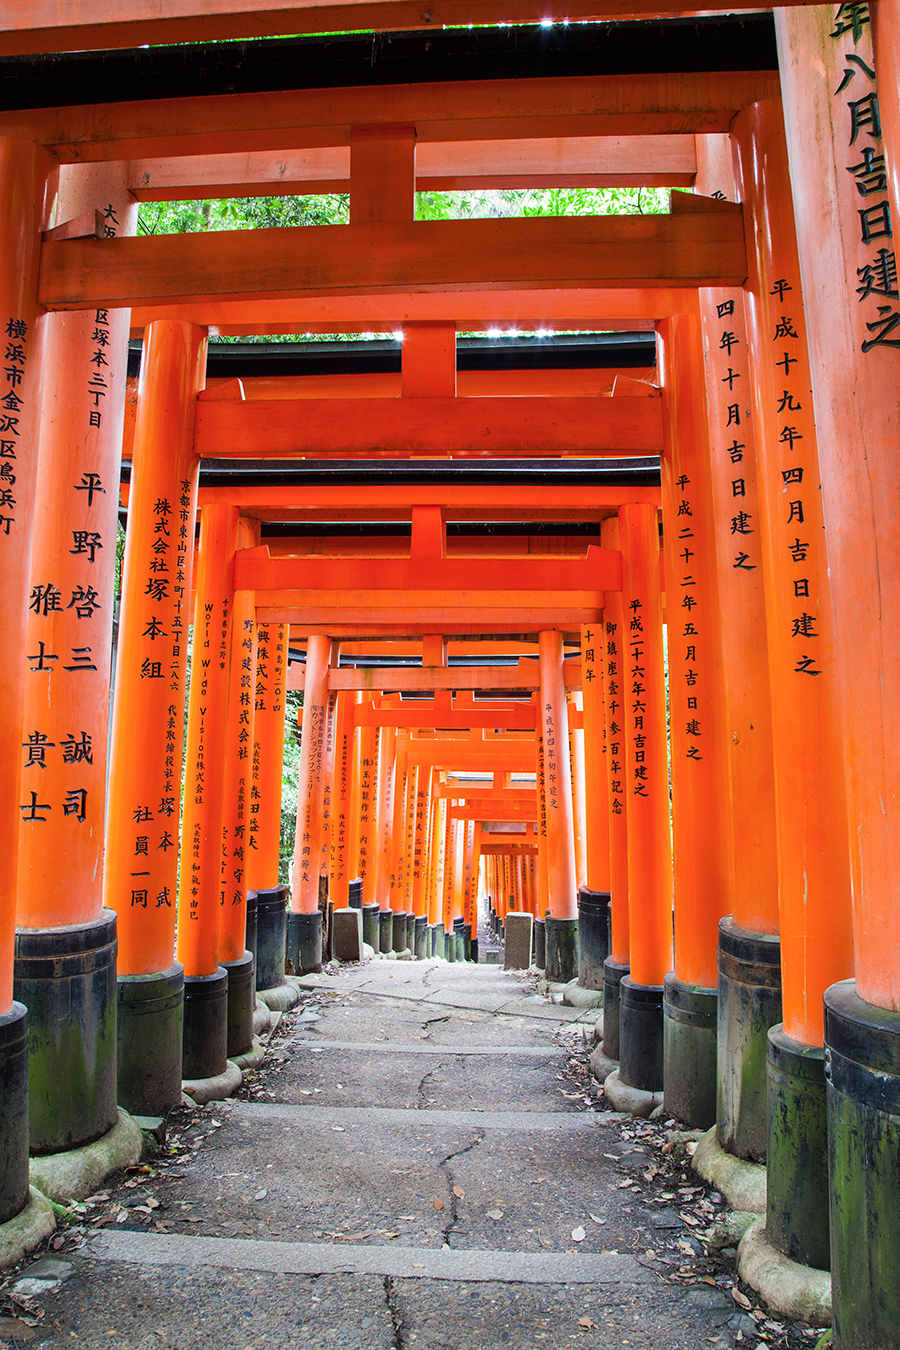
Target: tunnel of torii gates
column 522, row 596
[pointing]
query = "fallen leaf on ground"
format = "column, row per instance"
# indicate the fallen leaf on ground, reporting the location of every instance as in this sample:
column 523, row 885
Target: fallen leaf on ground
column 578, row 1234
column 586, row 1323
column 459, row 1192
column 438, row 1204
column 495, row 1213
column 740, row 1299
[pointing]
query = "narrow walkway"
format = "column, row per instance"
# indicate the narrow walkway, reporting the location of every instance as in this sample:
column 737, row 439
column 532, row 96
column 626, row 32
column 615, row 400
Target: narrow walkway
column 421, row 1163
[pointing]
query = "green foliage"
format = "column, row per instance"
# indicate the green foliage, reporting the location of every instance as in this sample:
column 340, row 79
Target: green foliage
column 242, row 213
column 290, row 775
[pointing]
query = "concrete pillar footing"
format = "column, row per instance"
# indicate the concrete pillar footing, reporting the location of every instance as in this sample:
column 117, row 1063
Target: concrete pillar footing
column 630, row 1100
column 216, row 1088
column 576, row 995
column 280, row 999
column 602, row 1066
column 27, row 1229
column 250, row 1059
column 788, row 1287
column 742, row 1183
column 78, row 1172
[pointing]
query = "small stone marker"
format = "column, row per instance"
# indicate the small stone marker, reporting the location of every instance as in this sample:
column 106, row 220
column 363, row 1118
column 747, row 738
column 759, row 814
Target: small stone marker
column 347, row 930
column 517, row 953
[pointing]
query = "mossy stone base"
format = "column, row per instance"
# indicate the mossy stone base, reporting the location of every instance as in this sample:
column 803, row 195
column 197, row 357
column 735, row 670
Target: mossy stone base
column 749, row 1004
column 280, row 999
column 632, row 1101
column 562, row 949
column 689, row 1052
column 742, row 1183
column 66, row 978
column 863, row 1102
column 216, row 1088
column 13, row 1112
column 789, row 1287
column 613, row 975
column 27, row 1229
column 150, row 1009
column 797, row 1158
column 252, row 1058
column 78, row 1172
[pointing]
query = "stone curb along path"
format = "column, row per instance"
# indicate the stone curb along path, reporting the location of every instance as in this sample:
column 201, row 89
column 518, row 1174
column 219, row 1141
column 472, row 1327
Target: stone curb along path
column 421, row 1162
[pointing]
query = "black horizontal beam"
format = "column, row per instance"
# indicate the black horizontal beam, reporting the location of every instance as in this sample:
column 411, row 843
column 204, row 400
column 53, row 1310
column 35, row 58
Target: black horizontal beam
column 638, row 472
column 730, row 42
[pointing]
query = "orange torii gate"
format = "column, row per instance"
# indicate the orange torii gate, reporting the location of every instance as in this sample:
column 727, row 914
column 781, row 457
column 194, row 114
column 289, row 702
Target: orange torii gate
column 844, row 364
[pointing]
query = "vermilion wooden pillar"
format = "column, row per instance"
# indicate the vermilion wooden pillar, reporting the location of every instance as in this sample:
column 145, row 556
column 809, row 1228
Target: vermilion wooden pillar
column 65, row 726
column 24, row 170
column 562, row 921
column 264, row 829
column 199, row 883
column 364, row 809
column 700, row 818
column 749, row 949
column 842, row 115
column 325, row 858
column 610, row 663
column 238, row 749
column 596, row 783
column 384, row 806
column 341, row 798
column 143, row 803
column 305, row 920
column 576, row 770
column 814, row 876
column 646, row 787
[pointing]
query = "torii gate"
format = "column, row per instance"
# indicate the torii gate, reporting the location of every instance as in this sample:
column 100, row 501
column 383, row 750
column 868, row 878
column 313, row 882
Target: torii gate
column 847, row 384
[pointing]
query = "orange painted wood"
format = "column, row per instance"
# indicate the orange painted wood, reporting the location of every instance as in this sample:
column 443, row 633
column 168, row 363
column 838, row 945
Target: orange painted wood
column 382, row 173
column 363, row 842
column 200, row 873
column 858, row 430
column 813, row 848
column 579, row 798
column 314, row 502
column 264, row 823
column 434, row 426
column 71, row 599
column 254, row 569
column 341, row 875
column 148, row 710
column 428, row 362
column 596, row 784
column 388, row 384
column 753, row 887
column 476, row 110
column 470, row 307
column 24, row 169
column 384, row 814
column 514, row 718
column 557, row 780
column 237, row 767
column 679, row 250
column 613, row 673
column 311, row 780
column 699, row 768
column 587, row 161
column 397, row 856
column 466, row 756
column 646, row 771
column 325, row 856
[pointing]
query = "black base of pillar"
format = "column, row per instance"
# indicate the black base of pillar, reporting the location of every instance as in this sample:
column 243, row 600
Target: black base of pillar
column 863, row 1093
column 613, row 975
column 433, row 940
column 593, row 936
column 304, row 942
column 641, row 1035
column 421, row 937
column 749, row 1004
column 562, row 949
column 66, row 978
column 13, row 1112
column 689, row 1045
column 540, row 944
column 149, row 1039
column 250, row 929
column 205, row 1043
column 271, row 936
column 385, row 931
column 473, row 951
column 398, row 932
column 411, row 933
column 354, row 894
column 370, row 925
column 450, row 944
column 797, row 1154
column 241, row 1004
column 467, row 940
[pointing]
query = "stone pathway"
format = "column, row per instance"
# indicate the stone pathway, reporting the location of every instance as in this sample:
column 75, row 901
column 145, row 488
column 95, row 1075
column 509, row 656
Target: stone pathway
column 420, row 1163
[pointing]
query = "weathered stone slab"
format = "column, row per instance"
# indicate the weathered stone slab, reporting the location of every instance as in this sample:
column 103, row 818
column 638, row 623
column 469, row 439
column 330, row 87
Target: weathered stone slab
column 517, row 950
column 347, row 935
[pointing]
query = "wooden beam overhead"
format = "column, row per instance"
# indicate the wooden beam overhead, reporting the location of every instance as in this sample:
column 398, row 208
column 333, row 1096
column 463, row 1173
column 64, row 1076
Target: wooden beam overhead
column 582, row 161
column 420, row 679
column 691, row 248
column 474, row 110
column 432, row 426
